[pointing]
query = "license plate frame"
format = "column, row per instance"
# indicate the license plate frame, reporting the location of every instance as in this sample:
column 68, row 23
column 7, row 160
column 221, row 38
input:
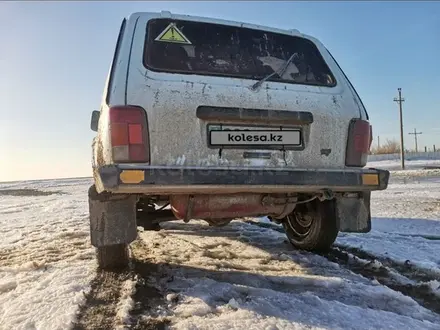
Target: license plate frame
column 298, row 144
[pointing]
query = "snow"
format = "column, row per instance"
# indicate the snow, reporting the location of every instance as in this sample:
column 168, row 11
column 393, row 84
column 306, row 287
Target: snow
column 46, row 261
column 405, row 224
column 412, row 164
column 241, row 276
column 434, row 285
column 125, row 304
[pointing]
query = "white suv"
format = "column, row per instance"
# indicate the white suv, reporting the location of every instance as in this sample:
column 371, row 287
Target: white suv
column 223, row 120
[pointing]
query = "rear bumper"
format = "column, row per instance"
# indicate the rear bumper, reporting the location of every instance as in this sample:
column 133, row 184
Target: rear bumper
column 164, row 180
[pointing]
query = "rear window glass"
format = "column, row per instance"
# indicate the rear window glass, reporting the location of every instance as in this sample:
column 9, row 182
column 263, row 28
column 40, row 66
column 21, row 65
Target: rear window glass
column 220, row 50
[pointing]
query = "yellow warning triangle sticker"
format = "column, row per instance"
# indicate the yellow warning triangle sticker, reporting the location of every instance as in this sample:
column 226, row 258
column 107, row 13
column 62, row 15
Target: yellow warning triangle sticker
column 173, row 34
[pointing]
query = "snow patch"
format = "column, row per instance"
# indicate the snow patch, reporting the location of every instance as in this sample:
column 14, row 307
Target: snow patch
column 235, row 277
column 410, row 164
column 434, row 285
column 191, row 306
column 7, row 285
column 125, row 304
column 245, row 276
column 46, row 260
column 234, row 304
column 172, row 297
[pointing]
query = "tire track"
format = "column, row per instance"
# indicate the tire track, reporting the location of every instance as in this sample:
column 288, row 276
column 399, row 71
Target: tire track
column 383, row 270
column 265, row 225
column 148, row 296
column 386, row 276
column 407, row 269
column 100, row 308
column 150, row 309
column 428, row 237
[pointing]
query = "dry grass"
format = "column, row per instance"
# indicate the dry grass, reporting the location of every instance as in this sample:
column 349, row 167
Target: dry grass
column 389, row 147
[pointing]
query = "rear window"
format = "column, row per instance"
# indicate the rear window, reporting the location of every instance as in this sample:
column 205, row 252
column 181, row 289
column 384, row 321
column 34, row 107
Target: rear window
column 220, row 50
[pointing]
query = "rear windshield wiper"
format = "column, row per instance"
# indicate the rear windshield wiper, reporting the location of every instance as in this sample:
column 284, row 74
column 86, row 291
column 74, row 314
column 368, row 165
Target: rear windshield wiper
column 279, row 72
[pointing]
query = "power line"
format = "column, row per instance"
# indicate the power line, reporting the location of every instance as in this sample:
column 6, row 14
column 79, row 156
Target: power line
column 415, row 136
column 402, row 150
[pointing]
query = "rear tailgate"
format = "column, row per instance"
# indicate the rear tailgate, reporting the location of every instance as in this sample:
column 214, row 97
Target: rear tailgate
column 193, row 78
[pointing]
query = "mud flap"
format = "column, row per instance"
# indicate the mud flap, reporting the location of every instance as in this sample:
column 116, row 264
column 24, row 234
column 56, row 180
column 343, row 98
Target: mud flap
column 112, row 218
column 353, row 213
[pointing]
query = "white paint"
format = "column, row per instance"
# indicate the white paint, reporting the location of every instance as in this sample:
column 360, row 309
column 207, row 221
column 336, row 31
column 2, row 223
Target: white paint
column 180, row 160
column 171, row 100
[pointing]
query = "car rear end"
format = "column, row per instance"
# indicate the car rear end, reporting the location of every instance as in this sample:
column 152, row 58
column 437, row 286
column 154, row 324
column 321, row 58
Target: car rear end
column 225, row 119
column 178, row 98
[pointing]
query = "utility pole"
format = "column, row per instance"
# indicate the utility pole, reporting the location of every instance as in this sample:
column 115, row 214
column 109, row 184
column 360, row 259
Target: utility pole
column 415, row 136
column 378, row 142
column 402, row 148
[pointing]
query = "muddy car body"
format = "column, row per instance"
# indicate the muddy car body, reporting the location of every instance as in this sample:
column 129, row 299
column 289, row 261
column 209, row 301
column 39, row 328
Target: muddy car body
column 223, row 120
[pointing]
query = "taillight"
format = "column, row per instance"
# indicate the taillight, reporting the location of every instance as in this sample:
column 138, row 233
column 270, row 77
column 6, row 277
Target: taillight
column 129, row 134
column 358, row 144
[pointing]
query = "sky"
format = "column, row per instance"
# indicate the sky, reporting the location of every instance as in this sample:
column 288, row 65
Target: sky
column 54, row 59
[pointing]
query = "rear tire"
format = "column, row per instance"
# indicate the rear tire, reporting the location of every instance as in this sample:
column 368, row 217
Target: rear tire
column 113, row 257
column 312, row 226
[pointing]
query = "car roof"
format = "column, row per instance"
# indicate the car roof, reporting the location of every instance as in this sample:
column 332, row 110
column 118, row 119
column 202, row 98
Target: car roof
column 168, row 14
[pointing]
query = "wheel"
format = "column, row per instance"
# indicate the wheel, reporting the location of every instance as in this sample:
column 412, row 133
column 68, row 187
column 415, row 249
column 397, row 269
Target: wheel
column 112, row 256
column 112, row 227
column 312, row 226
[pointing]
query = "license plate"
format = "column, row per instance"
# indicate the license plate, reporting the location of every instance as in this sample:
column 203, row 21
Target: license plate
column 241, row 136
